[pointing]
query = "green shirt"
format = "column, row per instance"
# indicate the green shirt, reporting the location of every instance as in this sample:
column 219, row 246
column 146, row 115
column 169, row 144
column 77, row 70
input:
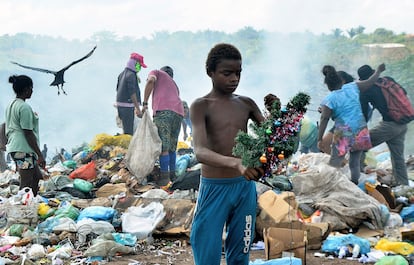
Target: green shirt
column 308, row 134
column 19, row 117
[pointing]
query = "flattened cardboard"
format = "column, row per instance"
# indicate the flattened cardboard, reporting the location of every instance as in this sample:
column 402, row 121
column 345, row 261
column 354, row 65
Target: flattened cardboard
column 366, row 232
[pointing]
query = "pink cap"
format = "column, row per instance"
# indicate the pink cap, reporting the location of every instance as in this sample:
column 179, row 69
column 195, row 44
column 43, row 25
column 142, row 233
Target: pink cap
column 139, row 58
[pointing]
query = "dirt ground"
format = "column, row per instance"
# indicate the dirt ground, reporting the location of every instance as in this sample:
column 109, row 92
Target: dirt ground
column 177, row 251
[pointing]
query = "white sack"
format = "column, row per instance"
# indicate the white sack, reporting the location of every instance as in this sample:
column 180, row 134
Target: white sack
column 144, row 148
column 141, row 221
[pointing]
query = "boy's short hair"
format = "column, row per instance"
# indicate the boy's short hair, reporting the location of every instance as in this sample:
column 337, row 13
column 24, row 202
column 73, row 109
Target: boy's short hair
column 219, row 52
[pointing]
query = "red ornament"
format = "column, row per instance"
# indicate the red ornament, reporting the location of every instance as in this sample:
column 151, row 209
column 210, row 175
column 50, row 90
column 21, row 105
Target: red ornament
column 270, row 149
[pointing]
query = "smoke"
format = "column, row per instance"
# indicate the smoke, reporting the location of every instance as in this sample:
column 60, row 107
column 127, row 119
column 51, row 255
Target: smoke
column 284, row 66
column 284, row 69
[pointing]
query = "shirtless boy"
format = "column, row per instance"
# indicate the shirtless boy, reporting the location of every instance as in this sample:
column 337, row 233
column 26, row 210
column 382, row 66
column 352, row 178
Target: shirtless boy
column 227, row 193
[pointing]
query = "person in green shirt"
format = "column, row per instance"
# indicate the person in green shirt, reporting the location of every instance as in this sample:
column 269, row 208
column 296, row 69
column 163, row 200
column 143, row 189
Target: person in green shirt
column 22, row 130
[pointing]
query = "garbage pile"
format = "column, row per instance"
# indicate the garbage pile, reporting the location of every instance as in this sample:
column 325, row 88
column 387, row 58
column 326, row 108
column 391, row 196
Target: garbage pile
column 369, row 222
column 91, row 208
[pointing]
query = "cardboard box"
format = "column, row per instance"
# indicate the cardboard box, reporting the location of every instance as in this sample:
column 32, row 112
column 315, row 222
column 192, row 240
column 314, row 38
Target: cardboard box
column 316, row 232
column 285, row 242
column 278, row 207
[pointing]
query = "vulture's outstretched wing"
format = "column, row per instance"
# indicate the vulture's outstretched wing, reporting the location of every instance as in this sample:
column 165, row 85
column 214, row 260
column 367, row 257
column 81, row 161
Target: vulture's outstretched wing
column 35, row 68
column 81, row 59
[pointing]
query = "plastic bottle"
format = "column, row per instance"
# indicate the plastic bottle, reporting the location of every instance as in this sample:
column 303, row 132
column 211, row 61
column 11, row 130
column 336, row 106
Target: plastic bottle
column 317, row 216
column 342, row 252
column 355, row 251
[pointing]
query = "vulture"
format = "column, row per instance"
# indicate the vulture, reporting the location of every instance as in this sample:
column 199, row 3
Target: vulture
column 58, row 81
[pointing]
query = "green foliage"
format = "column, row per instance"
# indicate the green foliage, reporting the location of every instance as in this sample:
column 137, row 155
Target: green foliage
column 250, row 147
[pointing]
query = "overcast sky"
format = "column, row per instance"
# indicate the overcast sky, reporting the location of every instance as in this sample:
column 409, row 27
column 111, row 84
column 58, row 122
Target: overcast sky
column 80, row 19
column 137, row 18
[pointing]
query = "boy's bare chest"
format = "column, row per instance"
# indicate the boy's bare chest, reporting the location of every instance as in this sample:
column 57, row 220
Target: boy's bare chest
column 228, row 119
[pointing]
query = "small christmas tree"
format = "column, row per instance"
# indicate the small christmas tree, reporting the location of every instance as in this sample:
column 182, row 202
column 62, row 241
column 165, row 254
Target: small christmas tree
column 275, row 140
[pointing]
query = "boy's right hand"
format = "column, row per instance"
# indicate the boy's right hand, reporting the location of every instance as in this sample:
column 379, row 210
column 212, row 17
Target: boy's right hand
column 252, row 173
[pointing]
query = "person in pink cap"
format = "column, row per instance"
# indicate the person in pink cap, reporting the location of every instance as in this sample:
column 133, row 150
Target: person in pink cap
column 128, row 95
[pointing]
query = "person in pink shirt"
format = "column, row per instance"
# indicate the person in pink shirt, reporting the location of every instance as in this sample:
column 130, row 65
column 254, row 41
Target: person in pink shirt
column 168, row 113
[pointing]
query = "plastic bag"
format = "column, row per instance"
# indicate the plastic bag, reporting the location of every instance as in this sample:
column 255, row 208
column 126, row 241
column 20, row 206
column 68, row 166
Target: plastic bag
column 333, row 243
column 63, row 252
column 65, row 224
column 402, row 248
column 26, row 195
column 70, row 164
column 47, row 225
column 67, row 210
column 107, row 248
column 392, row 260
column 280, row 261
column 125, row 239
column 182, row 164
column 103, row 139
column 16, row 229
column 144, row 149
column 44, row 211
column 97, row 213
column 36, row 251
column 86, row 172
column 141, row 221
column 82, row 185
column 407, row 214
column 87, row 226
column 21, row 214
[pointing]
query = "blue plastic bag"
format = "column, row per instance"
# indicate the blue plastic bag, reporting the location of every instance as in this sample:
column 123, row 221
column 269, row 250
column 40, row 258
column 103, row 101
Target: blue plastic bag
column 182, row 164
column 332, row 244
column 125, row 239
column 407, row 214
column 47, row 225
column 97, row 213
